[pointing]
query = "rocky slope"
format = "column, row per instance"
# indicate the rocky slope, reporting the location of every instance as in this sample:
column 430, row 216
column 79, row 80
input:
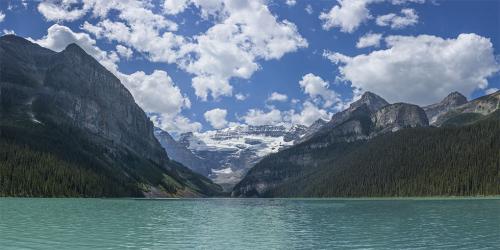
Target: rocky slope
column 452, row 101
column 368, row 100
column 369, row 117
column 180, row 153
column 394, row 117
column 457, row 161
column 71, row 90
column 470, row 111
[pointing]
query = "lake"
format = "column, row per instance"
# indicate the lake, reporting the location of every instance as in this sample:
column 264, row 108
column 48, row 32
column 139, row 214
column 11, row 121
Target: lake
column 249, row 224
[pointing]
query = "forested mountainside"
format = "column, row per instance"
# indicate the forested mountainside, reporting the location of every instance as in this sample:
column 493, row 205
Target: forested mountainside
column 68, row 127
column 461, row 157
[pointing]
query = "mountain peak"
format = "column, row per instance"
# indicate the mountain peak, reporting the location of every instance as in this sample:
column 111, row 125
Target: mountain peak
column 10, row 37
column 455, row 98
column 74, row 48
column 372, row 101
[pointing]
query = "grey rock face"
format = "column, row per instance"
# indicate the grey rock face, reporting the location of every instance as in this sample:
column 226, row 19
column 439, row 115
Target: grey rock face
column 71, row 89
column 180, row 153
column 481, row 106
column 396, row 116
column 369, row 100
column 450, row 102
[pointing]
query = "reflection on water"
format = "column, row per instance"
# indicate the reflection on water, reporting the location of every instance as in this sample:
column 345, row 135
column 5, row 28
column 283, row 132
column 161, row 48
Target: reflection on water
column 248, row 224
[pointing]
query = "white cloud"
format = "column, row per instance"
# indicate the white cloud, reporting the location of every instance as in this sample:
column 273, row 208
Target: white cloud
column 369, row 40
column 124, row 51
column 61, row 10
column 278, row 97
column 174, row 7
column 309, row 9
column 136, row 26
column 291, row 2
column 176, row 124
column 216, row 118
column 317, row 88
column 2, row 16
column 309, row 114
column 156, row 92
column 59, row 36
column 421, row 69
column 408, row 17
column 258, row 117
column 8, row 32
column 490, row 91
column 246, row 33
column 347, row 15
column 241, row 96
column 401, row 2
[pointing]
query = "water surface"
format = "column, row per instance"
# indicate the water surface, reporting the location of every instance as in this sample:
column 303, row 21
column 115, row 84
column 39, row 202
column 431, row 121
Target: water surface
column 249, row 224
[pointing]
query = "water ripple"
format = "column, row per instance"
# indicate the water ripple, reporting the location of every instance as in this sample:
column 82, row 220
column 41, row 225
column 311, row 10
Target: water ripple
column 248, row 224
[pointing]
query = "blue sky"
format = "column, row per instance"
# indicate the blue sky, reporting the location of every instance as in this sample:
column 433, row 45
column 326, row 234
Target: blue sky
column 193, row 62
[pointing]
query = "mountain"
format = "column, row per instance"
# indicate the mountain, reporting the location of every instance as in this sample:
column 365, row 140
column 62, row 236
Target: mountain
column 368, row 100
column 470, row 111
column 386, row 152
column 228, row 153
column 180, row 153
column 394, row 117
column 75, row 120
column 451, row 101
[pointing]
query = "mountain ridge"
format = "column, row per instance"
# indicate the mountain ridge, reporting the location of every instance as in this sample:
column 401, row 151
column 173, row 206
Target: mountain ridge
column 48, row 96
column 358, row 129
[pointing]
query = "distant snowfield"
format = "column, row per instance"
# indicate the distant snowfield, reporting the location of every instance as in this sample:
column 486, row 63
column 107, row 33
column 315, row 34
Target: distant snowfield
column 236, row 149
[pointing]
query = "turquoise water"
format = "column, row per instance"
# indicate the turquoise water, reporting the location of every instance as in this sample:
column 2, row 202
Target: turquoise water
column 248, row 224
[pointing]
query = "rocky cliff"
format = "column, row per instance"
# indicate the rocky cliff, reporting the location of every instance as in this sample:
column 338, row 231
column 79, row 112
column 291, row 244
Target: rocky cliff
column 451, row 101
column 70, row 89
column 179, row 152
column 394, row 117
column 369, row 117
column 470, row 111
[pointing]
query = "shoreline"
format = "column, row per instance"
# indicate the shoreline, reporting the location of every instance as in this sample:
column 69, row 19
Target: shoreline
column 415, row 198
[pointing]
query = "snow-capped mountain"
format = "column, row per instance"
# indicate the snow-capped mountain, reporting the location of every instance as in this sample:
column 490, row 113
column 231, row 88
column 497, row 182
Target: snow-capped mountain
column 232, row 151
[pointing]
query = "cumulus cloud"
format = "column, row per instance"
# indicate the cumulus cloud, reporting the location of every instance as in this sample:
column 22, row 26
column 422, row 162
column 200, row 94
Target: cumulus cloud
column 309, row 114
column 174, row 7
column 59, row 36
column 216, row 118
column 369, row 40
column 291, row 2
column 490, row 91
column 124, row 51
column 61, row 10
column 241, row 96
column 259, row 117
column 309, row 9
column 408, row 17
column 421, row 69
column 244, row 33
column 231, row 48
column 2, row 16
column 136, row 26
column 318, row 90
column 401, row 2
column 348, row 15
column 278, row 97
